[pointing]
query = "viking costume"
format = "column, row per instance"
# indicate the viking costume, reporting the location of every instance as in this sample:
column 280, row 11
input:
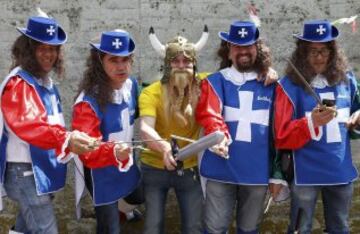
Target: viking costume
column 171, row 102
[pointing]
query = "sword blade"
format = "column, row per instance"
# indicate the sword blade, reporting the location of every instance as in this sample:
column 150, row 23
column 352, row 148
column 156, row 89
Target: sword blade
column 182, row 138
column 307, row 85
column 137, row 141
column 200, row 145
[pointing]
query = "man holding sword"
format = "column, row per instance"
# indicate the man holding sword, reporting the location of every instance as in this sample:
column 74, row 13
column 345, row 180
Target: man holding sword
column 317, row 131
column 166, row 107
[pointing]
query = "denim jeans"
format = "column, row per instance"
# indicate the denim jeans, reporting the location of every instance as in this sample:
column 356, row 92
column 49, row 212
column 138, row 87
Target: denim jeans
column 336, row 202
column 36, row 214
column 107, row 216
column 220, row 201
column 157, row 183
column 107, row 219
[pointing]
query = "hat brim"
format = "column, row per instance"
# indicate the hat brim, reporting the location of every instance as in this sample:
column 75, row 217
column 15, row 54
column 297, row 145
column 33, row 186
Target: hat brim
column 61, row 38
column 120, row 54
column 225, row 37
column 333, row 36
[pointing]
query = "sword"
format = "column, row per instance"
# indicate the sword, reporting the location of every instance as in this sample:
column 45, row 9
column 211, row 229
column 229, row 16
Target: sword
column 198, row 145
column 137, row 141
column 135, row 144
column 195, row 147
column 307, row 85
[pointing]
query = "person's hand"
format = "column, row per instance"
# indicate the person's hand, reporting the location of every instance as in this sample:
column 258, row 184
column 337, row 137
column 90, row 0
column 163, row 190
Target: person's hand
column 80, row 142
column 222, row 149
column 275, row 189
column 169, row 160
column 322, row 115
column 122, row 151
column 271, row 77
column 353, row 121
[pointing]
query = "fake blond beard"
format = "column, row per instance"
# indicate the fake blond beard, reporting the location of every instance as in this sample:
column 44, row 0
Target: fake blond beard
column 180, row 96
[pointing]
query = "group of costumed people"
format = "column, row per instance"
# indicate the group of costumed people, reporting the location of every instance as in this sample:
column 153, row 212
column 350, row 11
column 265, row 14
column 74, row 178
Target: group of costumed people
column 288, row 136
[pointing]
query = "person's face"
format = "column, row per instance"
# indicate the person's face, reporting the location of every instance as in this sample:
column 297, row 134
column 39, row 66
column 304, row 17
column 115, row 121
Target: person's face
column 318, row 56
column 181, row 62
column 242, row 57
column 46, row 56
column 117, row 69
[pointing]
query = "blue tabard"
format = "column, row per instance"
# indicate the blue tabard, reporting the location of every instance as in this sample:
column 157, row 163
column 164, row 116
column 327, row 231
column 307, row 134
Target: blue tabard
column 109, row 184
column 246, row 110
column 50, row 175
column 326, row 161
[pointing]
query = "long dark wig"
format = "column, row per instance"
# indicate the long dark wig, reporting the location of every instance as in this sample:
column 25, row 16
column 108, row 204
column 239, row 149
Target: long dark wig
column 335, row 71
column 262, row 61
column 23, row 54
column 95, row 82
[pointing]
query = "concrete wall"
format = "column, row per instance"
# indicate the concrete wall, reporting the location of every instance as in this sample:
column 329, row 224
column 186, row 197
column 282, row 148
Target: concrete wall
column 86, row 19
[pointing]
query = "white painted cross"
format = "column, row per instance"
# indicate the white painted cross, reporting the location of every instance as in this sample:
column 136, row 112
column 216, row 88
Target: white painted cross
column 56, row 117
column 333, row 133
column 117, row 43
column 126, row 134
column 50, row 30
column 242, row 33
column 321, row 29
column 245, row 116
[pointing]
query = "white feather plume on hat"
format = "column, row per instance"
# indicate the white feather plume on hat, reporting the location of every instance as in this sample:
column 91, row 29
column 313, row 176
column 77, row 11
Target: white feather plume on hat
column 344, row 20
column 41, row 13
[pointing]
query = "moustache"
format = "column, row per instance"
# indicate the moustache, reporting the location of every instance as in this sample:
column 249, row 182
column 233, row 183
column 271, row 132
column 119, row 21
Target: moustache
column 182, row 74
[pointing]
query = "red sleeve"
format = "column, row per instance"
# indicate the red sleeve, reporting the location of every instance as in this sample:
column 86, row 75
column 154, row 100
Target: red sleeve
column 208, row 110
column 84, row 119
column 26, row 116
column 289, row 133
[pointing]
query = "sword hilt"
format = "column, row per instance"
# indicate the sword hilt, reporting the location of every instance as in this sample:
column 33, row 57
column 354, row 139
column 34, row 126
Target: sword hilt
column 175, row 150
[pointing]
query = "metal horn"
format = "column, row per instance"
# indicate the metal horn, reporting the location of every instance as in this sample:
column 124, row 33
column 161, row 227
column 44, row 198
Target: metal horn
column 203, row 39
column 156, row 44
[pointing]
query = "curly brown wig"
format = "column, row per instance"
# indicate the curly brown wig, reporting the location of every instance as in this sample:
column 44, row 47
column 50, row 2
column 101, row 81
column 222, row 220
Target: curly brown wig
column 23, row 55
column 95, row 82
column 262, row 61
column 335, row 71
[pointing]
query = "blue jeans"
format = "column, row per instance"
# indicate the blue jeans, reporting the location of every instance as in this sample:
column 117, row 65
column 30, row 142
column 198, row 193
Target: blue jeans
column 157, row 183
column 220, row 201
column 107, row 216
column 107, row 219
column 336, row 202
column 36, row 213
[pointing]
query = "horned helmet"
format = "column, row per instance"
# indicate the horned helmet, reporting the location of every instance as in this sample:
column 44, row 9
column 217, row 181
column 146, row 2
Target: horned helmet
column 180, row 91
column 174, row 47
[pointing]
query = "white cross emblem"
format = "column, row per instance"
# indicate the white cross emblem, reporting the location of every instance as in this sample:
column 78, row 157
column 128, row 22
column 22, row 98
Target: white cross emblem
column 245, row 116
column 50, row 30
column 117, row 43
column 56, row 117
column 126, row 134
column 321, row 29
column 242, row 33
column 333, row 133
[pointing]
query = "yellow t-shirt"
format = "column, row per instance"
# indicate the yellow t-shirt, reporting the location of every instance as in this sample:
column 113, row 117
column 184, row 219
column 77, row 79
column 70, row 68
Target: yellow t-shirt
column 150, row 104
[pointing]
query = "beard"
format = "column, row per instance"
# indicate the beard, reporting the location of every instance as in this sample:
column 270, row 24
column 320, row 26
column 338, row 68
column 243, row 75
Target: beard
column 244, row 62
column 180, row 96
column 180, row 79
